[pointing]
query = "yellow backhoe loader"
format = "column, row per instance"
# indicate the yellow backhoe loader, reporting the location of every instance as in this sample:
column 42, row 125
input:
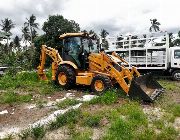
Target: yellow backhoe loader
column 81, row 62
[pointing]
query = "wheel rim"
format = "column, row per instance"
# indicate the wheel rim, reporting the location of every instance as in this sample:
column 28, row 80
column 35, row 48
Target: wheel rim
column 99, row 86
column 177, row 76
column 62, row 78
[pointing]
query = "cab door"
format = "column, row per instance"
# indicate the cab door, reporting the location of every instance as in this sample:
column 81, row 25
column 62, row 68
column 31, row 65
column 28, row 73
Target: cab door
column 175, row 58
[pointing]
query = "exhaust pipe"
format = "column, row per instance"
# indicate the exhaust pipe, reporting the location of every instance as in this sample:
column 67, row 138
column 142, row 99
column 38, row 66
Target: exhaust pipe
column 145, row 88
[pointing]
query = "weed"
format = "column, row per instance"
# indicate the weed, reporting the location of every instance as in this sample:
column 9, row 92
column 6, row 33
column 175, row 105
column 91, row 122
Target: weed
column 66, row 103
column 38, row 132
column 72, row 116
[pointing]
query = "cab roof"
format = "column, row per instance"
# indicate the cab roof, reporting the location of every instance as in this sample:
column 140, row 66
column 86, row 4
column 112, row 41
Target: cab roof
column 72, row 35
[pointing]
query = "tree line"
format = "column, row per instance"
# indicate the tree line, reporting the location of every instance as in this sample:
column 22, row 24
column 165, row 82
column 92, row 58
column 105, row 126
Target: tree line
column 13, row 54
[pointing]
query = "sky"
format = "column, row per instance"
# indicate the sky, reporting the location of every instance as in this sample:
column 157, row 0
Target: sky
column 115, row 16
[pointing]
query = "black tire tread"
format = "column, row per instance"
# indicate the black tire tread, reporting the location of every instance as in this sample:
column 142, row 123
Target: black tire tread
column 173, row 75
column 106, row 80
column 70, row 73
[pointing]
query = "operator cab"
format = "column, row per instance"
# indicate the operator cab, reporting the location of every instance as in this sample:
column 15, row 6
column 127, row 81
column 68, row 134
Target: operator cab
column 77, row 47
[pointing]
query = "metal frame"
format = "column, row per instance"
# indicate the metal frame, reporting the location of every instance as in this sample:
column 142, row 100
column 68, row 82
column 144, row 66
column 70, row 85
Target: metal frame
column 141, row 45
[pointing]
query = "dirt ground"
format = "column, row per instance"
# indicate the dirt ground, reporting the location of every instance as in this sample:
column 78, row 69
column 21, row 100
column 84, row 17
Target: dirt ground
column 22, row 115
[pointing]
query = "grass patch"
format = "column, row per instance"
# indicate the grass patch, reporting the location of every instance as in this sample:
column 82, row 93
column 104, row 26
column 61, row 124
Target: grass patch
column 38, row 132
column 134, row 113
column 168, row 85
column 145, row 134
column 107, row 98
column 175, row 110
column 119, row 130
column 72, row 116
column 41, row 103
column 160, row 124
column 83, row 135
column 13, row 97
column 28, row 81
column 168, row 133
column 66, row 103
column 91, row 120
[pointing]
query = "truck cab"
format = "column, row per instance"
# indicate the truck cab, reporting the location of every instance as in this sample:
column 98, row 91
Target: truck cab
column 175, row 57
column 175, row 62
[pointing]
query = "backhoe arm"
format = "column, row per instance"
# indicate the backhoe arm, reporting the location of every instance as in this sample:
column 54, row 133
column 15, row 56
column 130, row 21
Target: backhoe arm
column 53, row 53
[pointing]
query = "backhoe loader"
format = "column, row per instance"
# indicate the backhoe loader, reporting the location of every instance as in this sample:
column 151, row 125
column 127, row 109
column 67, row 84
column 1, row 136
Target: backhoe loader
column 80, row 62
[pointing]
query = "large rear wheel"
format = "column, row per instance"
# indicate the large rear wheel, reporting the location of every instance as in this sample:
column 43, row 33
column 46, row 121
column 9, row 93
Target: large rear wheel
column 65, row 76
column 100, row 83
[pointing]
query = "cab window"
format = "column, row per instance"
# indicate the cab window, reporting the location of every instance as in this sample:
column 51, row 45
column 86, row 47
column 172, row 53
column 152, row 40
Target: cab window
column 177, row 54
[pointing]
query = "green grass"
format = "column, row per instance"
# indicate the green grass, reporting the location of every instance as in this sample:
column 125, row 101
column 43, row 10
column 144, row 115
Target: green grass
column 83, row 135
column 91, row 120
column 66, row 103
column 107, row 98
column 119, row 130
column 38, row 132
column 13, row 97
column 70, row 117
column 28, row 81
column 168, row 85
column 168, row 133
column 130, row 119
column 175, row 110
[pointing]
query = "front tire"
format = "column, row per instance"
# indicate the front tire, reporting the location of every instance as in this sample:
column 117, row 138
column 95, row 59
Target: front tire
column 176, row 75
column 100, row 83
column 65, row 76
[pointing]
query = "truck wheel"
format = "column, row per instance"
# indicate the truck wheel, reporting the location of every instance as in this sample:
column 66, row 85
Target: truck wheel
column 176, row 75
column 65, row 76
column 100, row 83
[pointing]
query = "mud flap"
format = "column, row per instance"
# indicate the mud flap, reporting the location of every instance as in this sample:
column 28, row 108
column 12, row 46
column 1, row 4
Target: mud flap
column 145, row 88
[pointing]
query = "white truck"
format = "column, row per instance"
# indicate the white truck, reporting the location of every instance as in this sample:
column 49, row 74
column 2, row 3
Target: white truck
column 149, row 54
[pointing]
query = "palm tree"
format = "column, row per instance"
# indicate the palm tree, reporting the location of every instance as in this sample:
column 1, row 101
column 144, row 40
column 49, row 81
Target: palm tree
column 154, row 25
column 26, row 34
column 103, row 35
column 7, row 25
column 16, row 42
column 32, row 26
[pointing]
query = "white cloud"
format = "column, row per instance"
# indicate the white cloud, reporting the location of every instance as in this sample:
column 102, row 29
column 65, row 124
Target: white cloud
column 117, row 16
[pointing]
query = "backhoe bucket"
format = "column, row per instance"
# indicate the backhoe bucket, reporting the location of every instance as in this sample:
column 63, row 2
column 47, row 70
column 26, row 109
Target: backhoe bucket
column 145, row 88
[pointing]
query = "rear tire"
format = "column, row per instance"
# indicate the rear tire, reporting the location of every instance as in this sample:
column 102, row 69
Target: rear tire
column 176, row 75
column 100, row 83
column 65, row 76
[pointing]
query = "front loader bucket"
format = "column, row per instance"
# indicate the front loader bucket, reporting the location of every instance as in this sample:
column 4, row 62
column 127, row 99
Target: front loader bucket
column 145, row 88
